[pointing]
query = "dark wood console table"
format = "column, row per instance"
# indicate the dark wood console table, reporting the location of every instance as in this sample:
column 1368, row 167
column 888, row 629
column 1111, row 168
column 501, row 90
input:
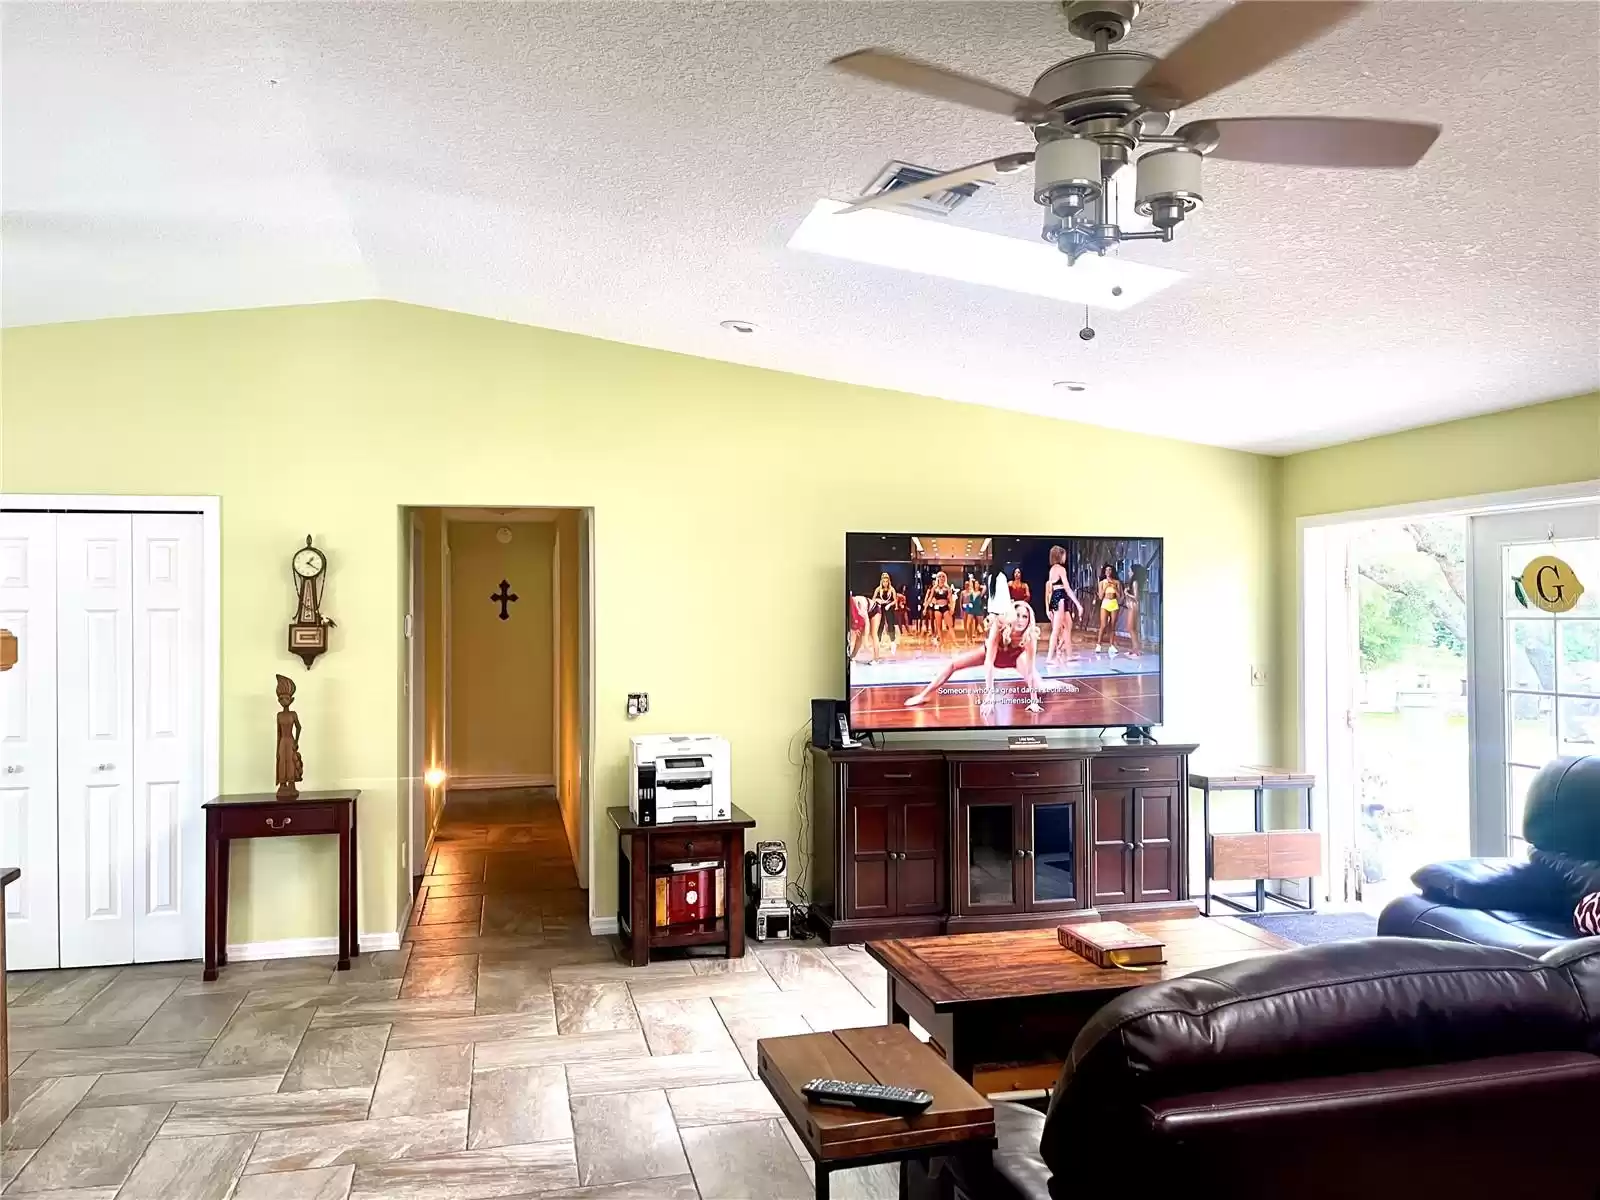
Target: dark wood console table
column 8, row 875
column 971, row 837
column 640, row 848
column 262, row 814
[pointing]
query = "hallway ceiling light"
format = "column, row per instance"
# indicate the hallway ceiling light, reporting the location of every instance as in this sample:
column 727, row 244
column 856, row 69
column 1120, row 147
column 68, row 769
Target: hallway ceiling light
column 739, row 326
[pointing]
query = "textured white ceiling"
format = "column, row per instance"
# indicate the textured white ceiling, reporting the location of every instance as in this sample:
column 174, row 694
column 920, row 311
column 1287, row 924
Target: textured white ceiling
column 633, row 171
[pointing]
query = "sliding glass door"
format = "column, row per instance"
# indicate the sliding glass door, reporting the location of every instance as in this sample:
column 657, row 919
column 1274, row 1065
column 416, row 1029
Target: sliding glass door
column 1535, row 672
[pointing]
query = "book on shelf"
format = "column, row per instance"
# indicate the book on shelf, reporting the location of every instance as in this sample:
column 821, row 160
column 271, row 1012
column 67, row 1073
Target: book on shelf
column 1112, row 944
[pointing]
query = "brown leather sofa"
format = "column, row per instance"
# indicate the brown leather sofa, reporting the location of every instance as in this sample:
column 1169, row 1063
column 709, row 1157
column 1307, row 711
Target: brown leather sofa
column 1385, row 1067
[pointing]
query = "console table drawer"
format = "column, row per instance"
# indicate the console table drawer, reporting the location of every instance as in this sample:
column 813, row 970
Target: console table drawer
column 1056, row 773
column 688, row 846
column 1135, row 768
column 896, row 773
column 292, row 820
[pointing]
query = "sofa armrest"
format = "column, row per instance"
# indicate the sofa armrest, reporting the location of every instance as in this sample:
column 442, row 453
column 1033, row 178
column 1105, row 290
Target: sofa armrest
column 1495, row 883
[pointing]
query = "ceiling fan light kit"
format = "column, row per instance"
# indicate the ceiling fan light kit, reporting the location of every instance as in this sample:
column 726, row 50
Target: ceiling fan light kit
column 1094, row 114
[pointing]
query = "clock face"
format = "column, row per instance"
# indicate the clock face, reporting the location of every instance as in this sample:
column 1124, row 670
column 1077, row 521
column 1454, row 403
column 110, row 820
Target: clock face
column 309, row 563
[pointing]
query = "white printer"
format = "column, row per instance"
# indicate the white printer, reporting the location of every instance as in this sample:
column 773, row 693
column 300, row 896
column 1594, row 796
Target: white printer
column 679, row 777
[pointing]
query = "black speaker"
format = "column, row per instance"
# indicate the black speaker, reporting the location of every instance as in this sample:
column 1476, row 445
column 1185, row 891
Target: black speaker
column 825, row 716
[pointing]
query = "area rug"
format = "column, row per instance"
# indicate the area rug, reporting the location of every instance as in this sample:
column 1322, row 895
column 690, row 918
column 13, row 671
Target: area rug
column 1311, row 929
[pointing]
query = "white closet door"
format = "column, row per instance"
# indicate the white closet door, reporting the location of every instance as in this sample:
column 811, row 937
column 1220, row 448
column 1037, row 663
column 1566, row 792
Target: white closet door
column 28, row 739
column 94, row 654
column 168, row 758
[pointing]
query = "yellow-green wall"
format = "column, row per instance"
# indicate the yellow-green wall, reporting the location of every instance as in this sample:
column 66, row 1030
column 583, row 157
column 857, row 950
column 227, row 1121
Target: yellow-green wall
column 1538, row 446
column 435, row 614
column 330, row 419
column 502, row 673
column 569, row 717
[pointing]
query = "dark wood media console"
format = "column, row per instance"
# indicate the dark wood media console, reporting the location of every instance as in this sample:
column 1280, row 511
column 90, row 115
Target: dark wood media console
column 965, row 838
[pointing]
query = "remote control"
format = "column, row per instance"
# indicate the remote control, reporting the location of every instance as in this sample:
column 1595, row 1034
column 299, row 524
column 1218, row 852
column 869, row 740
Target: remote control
column 872, row 1097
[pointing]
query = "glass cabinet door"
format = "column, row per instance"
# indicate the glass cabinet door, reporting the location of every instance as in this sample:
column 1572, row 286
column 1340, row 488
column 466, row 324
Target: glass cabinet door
column 993, row 858
column 1054, row 876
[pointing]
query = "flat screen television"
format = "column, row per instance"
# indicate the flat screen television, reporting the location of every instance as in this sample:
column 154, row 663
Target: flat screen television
column 980, row 631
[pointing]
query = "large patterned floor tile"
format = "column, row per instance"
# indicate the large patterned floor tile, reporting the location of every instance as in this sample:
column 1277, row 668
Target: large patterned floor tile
column 554, row 1050
column 37, row 1115
column 185, row 1016
column 450, row 1031
column 203, row 1168
column 318, row 1183
column 165, row 1056
column 127, row 999
column 92, row 1147
column 280, row 1110
column 358, row 1142
column 593, row 1007
column 722, row 1104
column 688, row 1026
column 626, row 1136
column 73, row 1037
column 512, row 1171
column 384, row 1012
column 517, row 1106
column 169, row 1087
column 737, row 1162
column 427, row 1080
column 441, row 975
column 513, row 986
column 335, row 1058
column 678, row 1187
column 655, row 1071
column 319, row 995
column 264, row 1038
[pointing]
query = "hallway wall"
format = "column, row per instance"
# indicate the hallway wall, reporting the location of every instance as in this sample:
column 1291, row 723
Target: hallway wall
column 569, row 718
column 502, row 673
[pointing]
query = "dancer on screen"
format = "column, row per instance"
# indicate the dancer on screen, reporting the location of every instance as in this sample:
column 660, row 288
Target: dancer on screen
column 1061, row 595
column 940, row 601
column 1109, row 592
column 882, row 613
column 1012, row 645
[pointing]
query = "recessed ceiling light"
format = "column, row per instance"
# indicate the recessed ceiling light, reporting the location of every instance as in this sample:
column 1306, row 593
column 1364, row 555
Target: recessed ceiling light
column 1072, row 385
column 739, row 326
column 936, row 247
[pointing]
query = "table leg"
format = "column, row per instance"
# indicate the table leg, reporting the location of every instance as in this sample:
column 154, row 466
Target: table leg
column 897, row 1015
column 345, row 898
column 355, row 887
column 1261, row 827
column 641, row 898
column 735, row 893
column 905, row 1182
column 1205, row 832
column 209, row 969
column 821, row 1172
column 224, row 861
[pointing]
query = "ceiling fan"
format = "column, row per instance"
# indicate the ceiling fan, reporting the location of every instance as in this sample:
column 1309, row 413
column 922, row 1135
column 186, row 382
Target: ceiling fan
column 1093, row 114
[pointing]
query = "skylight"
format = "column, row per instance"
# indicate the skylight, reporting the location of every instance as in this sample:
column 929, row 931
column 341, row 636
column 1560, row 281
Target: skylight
column 936, row 247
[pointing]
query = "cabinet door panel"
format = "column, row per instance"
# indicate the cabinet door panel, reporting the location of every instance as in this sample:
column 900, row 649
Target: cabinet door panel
column 1156, row 864
column 920, row 870
column 1112, row 835
column 869, row 836
column 990, row 873
column 1054, row 868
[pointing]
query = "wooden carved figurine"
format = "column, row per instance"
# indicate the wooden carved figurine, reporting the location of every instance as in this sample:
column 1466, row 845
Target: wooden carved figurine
column 290, row 769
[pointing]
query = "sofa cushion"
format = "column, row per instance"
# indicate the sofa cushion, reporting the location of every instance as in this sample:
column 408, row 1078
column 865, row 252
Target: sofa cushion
column 1016, row 1159
column 1528, row 933
column 1562, row 810
column 1578, row 876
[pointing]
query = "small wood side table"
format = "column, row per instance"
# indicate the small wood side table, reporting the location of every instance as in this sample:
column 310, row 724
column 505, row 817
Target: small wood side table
column 1259, row 854
column 959, row 1122
column 643, row 848
column 262, row 814
column 7, row 875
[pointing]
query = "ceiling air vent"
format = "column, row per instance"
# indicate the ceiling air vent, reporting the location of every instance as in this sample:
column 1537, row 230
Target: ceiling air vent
column 943, row 203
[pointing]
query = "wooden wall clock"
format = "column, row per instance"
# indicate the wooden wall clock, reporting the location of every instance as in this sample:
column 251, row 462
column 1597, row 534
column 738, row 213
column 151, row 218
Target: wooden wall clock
column 308, row 632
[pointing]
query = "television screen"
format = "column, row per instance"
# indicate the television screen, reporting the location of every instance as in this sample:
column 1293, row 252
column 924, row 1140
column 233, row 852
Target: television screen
column 966, row 631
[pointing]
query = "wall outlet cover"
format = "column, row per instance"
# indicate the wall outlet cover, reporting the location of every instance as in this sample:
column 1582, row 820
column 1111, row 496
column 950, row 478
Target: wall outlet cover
column 1258, row 676
column 638, row 703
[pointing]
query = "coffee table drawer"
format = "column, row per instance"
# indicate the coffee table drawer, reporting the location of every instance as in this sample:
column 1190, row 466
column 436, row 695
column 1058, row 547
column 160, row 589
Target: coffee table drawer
column 1058, row 773
column 1135, row 768
column 688, row 846
column 292, row 821
column 896, row 773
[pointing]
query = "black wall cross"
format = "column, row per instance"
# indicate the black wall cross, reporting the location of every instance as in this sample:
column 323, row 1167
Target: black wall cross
column 504, row 597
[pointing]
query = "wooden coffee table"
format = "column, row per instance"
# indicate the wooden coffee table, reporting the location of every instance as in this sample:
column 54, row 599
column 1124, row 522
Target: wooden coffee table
column 959, row 1123
column 1005, row 1007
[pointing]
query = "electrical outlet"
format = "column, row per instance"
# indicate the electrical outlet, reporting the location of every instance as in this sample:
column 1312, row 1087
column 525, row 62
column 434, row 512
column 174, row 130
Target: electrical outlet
column 1258, row 676
column 638, row 703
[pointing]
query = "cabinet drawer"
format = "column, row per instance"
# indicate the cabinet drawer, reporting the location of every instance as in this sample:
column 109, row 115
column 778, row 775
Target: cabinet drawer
column 684, row 847
column 1054, row 773
column 896, row 773
column 289, row 821
column 1135, row 768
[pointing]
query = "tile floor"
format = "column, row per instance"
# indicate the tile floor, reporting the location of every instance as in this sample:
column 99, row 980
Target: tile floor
column 500, row 1052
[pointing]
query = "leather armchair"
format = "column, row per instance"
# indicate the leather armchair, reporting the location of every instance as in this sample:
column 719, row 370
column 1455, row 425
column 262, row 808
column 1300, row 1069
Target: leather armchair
column 1380, row 1068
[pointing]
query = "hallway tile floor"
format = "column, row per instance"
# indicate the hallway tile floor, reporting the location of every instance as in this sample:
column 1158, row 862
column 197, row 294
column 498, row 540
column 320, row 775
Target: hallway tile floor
column 501, row 1051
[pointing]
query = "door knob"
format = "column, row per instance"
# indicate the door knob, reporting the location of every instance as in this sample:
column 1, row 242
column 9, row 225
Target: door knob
column 13, row 770
column 105, row 766
column 1020, row 852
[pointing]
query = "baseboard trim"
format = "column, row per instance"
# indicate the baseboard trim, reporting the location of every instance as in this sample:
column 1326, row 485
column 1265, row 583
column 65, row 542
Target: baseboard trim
column 479, row 783
column 308, row 947
column 601, row 926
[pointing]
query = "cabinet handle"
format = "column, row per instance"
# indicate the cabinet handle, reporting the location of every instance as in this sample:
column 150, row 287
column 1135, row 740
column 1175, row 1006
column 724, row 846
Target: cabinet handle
column 1024, row 774
column 1134, row 770
column 1021, row 853
column 897, row 774
column 105, row 766
column 1027, row 853
column 13, row 770
column 271, row 824
column 688, row 847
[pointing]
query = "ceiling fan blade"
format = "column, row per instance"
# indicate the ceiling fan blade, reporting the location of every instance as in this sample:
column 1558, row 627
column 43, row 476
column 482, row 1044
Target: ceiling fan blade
column 1314, row 141
column 1247, row 37
column 983, row 172
column 899, row 71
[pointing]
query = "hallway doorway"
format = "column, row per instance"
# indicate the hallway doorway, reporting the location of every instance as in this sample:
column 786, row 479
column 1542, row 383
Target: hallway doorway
column 499, row 710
